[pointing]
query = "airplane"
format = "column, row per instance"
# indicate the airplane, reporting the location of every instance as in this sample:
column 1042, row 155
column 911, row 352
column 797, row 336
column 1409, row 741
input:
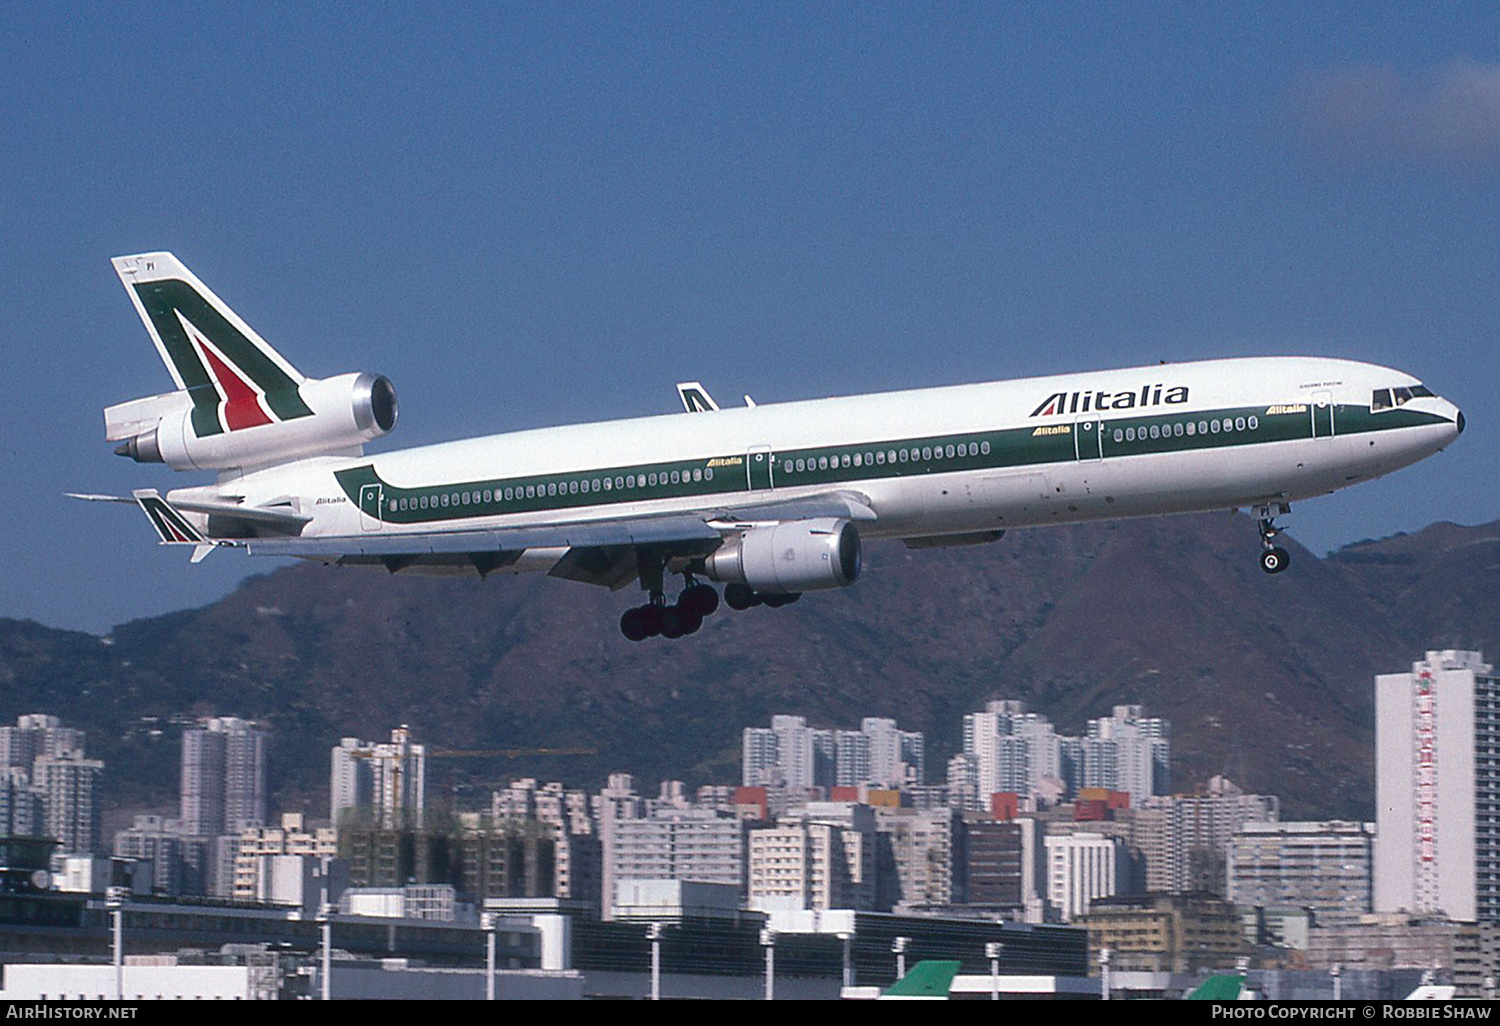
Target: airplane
column 770, row 500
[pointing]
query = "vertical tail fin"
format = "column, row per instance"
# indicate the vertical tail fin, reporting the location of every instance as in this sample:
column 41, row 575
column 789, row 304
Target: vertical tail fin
column 234, row 377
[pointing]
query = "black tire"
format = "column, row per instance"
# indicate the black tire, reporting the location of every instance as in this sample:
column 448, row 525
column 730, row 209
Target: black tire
column 740, row 596
column 1275, row 560
column 691, row 619
column 673, row 622
column 633, row 625
column 700, row 598
column 784, row 599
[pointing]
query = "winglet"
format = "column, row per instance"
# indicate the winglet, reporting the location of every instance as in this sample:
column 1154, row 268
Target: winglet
column 170, row 524
column 695, row 398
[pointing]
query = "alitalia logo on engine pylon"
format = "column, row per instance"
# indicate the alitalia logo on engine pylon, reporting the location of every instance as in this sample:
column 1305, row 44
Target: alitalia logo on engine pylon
column 1063, row 403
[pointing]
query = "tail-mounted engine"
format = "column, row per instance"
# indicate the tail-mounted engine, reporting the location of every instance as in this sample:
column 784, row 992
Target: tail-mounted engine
column 805, row 555
column 223, row 428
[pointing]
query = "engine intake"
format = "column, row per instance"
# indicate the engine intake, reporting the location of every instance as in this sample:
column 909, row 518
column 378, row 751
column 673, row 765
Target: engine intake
column 807, row 555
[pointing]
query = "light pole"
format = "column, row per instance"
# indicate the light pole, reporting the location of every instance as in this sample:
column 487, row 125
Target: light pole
column 1104, row 973
column 848, row 959
column 992, row 952
column 768, row 941
column 114, row 900
column 898, row 947
column 487, row 924
column 325, row 922
column 653, row 934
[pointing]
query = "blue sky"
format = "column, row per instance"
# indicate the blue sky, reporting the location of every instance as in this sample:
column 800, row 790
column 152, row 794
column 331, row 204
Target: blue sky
column 535, row 214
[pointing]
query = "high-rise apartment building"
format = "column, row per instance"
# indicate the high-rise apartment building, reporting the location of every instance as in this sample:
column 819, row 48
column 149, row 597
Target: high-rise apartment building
column 1322, row 866
column 49, row 789
column 1008, row 749
column 35, row 735
column 792, row 755
column 705, row 845
column 1080, row 868
column 224, row 787
column 382, row 782
column 1185, row 837
column 822, row 859
column 69, row 789
column 926, row 847
column 1437, row 788
column 1128, row 752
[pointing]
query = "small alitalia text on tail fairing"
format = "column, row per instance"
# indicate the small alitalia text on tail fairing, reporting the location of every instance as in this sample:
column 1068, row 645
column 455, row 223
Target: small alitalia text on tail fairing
column 770, row 500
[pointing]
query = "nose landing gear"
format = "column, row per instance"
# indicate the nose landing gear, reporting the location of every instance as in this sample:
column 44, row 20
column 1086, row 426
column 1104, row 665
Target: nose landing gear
column 1273, row 558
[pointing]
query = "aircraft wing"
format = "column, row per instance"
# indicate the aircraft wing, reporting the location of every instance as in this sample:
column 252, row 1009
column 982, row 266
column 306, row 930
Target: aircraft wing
column 603, row 552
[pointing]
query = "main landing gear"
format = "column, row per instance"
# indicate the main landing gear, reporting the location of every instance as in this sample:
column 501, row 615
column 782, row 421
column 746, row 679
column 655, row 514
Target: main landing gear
column 696, row 601
column 1273, row 558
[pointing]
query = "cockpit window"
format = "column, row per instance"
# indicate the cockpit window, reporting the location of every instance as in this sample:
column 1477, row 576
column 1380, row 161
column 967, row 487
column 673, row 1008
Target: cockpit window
column 1387, row 398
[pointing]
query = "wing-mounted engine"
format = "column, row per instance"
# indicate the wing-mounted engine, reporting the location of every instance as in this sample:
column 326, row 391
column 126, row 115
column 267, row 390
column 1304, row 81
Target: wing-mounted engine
column 239, row 403
column 342, row 413
column 801, row 555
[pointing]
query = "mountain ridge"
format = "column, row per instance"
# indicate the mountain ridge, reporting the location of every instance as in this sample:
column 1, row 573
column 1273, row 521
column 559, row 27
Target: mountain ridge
column 1268, row 680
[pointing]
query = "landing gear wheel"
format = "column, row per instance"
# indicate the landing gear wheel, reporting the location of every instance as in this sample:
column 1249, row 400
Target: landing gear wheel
column 699, row 598
column 1274, row 560
column 785, row 599
column 672, row 622
column 691, row 621
column 740, row 596
column 633, row 624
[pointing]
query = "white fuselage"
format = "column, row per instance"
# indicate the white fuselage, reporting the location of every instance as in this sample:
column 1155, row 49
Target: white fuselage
column 1170, row 438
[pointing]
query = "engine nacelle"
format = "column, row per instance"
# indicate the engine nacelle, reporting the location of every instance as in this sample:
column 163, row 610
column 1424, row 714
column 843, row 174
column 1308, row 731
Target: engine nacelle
column 807, row 555
column 322, row 417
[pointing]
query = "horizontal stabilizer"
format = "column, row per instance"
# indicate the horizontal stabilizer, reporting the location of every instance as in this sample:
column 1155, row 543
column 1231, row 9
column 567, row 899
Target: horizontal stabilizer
column 170, row 524
column 86, row 497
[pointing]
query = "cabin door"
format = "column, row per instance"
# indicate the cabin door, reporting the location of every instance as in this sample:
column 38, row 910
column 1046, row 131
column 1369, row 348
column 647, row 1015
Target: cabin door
column 1322, row 415
column 370, row 496
column 1089, row 435
column 759, row 468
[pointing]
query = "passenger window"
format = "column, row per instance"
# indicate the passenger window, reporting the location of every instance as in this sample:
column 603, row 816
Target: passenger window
column 1254, row 423
column 607, row 484
column 1203, row 427
column 1119, row 435
column 948, row 452
column 1213, row 426
column 1239, row 423
column 698, row 474
column 1155, row 431
column 859, row 460
column 1177, row 429
column 1192, row 429
column 846, row 461
column 708, row 474
column 984, row 448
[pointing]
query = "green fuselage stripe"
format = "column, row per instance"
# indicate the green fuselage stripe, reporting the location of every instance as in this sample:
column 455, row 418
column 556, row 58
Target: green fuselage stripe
column 1054, row 441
